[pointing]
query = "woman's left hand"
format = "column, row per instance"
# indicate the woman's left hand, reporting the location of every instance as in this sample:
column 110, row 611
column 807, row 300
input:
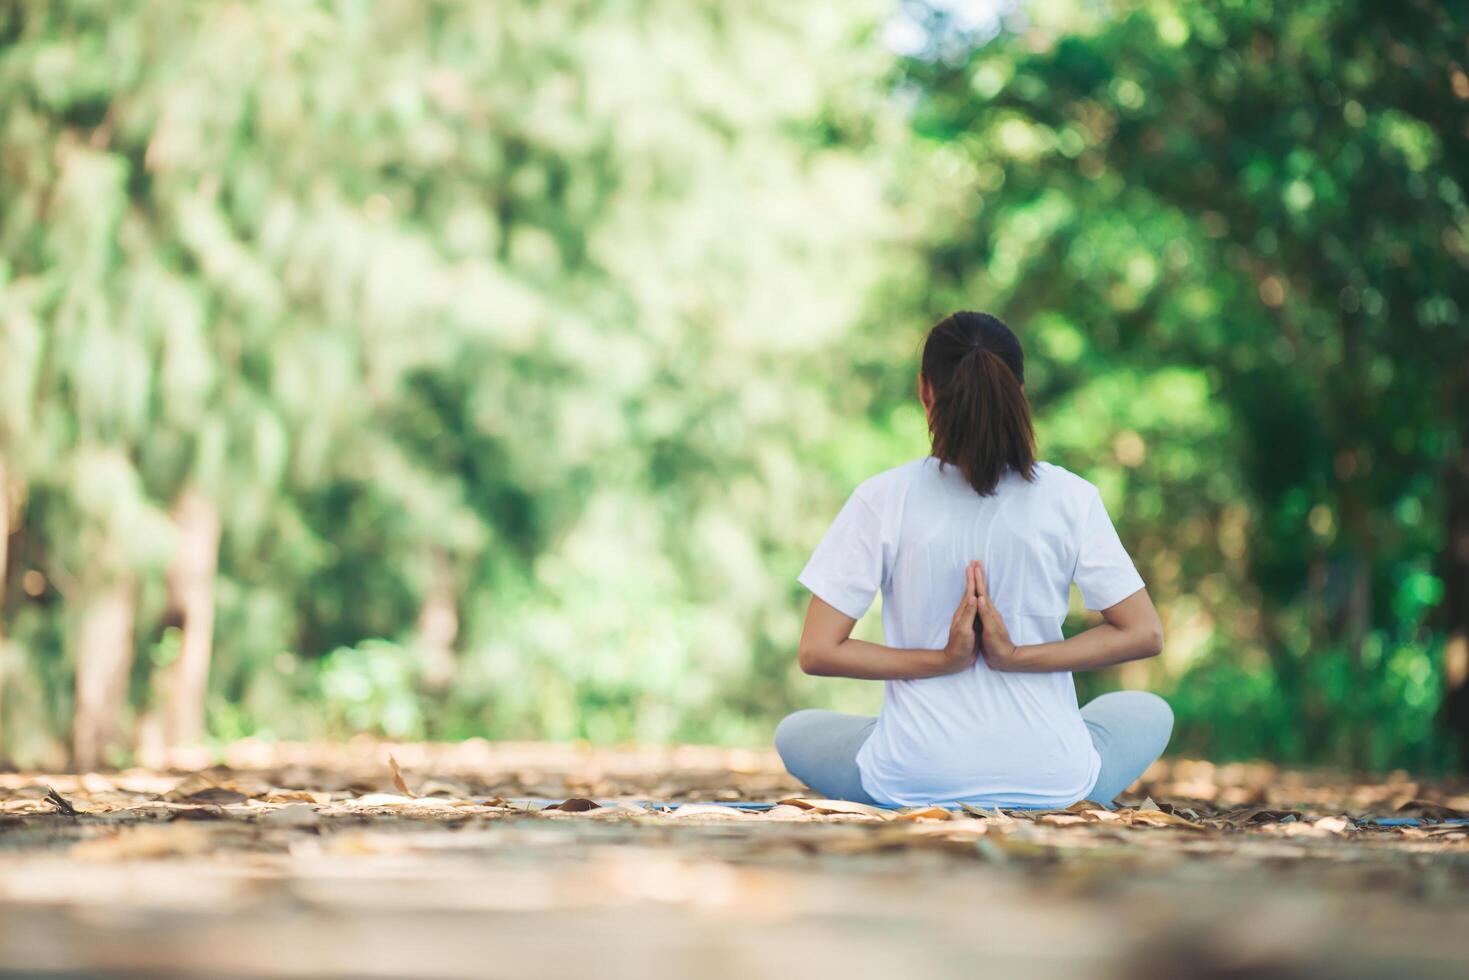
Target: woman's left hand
column 995, row 645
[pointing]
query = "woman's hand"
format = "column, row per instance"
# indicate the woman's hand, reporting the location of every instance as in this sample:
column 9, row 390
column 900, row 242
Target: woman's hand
column 962, row 649
column 1131, row 630
column 1000, row 652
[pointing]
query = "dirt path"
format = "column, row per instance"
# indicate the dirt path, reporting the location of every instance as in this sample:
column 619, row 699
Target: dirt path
column 312, row 860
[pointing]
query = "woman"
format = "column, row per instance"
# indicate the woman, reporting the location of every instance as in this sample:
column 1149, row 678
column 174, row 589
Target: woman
column 975, row 549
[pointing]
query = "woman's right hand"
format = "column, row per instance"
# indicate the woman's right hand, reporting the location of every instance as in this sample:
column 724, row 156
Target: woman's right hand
column 963, row 647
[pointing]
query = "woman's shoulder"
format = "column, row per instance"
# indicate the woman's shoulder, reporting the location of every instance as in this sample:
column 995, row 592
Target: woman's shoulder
column 893, row 483
column 1059, row 483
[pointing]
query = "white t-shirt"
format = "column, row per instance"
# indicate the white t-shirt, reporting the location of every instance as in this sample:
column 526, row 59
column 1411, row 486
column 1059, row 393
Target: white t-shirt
column 979, row 736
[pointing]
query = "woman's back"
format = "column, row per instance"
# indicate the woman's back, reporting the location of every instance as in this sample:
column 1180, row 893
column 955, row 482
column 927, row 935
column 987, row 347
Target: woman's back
column 980, row 735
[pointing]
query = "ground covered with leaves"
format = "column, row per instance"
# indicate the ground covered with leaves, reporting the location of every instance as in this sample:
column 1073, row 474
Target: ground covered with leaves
column 543, row 860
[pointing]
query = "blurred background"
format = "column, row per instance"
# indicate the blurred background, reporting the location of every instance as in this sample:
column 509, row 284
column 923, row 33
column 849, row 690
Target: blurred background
column 438, row 369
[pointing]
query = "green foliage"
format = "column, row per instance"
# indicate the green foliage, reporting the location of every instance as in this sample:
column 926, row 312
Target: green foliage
column 372, row 687
column 530, row 304
column 1238, row 231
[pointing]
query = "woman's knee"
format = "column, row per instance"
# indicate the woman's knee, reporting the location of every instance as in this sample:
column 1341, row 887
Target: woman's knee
column 1159, row 710
column 1138, row 710
column 1155, row 715
column 790, row 735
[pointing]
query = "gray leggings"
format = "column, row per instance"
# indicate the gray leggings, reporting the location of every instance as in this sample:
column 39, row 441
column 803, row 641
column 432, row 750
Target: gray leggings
column 1129, row 728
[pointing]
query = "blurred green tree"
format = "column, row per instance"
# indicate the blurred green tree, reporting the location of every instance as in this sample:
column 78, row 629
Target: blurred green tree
column 476, row 330
column 1259, row 212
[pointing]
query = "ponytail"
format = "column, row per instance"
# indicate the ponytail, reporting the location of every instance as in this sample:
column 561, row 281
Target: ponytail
column 980, row 418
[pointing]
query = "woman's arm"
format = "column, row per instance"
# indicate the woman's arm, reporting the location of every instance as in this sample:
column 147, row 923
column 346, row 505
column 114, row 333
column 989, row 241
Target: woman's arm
column 1131, row 630
column 828, row 649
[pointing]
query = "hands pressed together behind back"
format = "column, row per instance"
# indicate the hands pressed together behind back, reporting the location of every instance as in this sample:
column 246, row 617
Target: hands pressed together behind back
column 1130, row 630
column 977, row 628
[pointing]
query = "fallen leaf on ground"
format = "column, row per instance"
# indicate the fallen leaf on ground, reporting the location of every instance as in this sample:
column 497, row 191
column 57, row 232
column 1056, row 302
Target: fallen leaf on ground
column 390, row 799
column 1062, row 819
column 839, row 806
column 1157, row 818
column 785, row 811
column 1451, row 832
column 708, row 810
column 926, row 813
column 1430, row 810
column 994, row 815
column 61, row 803
column 1085, row 806
column 1246, row 816
column 577, row 804
column 296, row 796
column 398, row 783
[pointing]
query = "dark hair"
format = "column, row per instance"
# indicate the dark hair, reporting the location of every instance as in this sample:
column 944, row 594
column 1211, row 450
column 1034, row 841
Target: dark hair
column 980, row 420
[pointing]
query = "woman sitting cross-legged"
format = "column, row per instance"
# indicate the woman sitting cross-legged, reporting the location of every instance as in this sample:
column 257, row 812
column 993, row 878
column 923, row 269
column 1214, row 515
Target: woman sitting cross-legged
column 975, row 549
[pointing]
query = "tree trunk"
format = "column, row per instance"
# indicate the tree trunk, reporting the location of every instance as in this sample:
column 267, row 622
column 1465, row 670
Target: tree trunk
column 104, row 659
column 191, row 579
column 438, row 626
column 4, row 537
column 4, row 568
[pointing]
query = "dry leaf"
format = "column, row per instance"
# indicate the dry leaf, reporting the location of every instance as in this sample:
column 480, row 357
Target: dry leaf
column 785, row 811
column 1451, row 832
column 398, row 783
column 1333, row 825
column 296, row 796
column 1430, row 810
column 926, row 813
column 839, row 806
column 1157, row 818
column 200, row 788
column 1256, row 815
column 1062, row 819
column 24, row 806
column 993, row 815
column 708, row 810
column 382, row 799
column 61, row 803
column 577, row 804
